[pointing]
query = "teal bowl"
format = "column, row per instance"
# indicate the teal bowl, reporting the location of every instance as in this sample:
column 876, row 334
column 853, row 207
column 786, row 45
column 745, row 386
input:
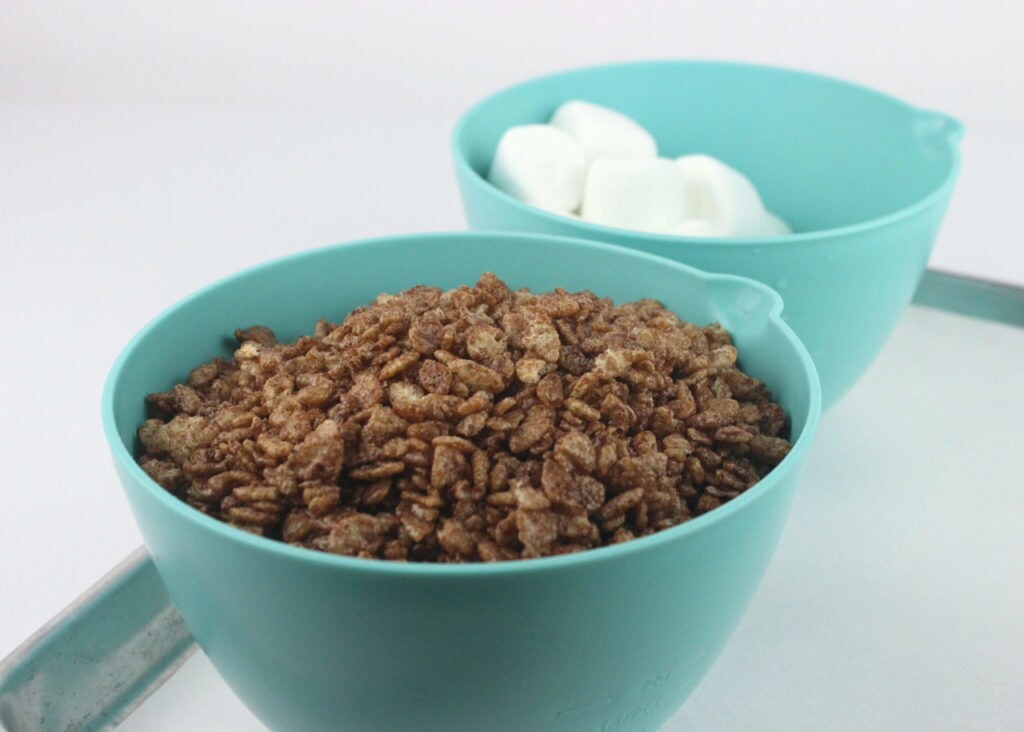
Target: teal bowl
column 615, row 637
column 864, row 178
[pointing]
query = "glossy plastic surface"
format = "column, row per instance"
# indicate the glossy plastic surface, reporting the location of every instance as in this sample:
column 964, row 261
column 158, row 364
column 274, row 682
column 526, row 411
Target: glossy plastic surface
column 612, row 638
column 864, row 179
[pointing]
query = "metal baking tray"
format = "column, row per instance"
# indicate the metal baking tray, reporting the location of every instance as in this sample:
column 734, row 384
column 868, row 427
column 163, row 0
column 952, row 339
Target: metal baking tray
column 101, row 657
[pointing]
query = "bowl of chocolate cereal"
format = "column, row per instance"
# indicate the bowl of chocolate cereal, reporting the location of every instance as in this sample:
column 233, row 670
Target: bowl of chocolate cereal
column 463, row 481
column 829, row 192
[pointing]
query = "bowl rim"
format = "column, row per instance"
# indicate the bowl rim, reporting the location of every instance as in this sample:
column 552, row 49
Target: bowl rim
column 954, row 131
column 126, row 461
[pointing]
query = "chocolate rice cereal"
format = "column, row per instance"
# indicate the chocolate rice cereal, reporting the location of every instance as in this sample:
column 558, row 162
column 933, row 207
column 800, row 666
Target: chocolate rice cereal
column 477, row 424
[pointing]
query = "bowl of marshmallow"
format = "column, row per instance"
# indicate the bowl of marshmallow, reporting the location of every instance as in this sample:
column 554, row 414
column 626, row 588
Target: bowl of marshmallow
column 830, row 192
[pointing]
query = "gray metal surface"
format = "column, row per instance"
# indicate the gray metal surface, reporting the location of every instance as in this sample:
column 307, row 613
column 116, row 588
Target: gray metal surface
column 99, row 658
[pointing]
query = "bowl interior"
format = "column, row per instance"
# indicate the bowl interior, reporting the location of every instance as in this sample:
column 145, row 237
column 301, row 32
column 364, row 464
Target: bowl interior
column 823, row 153
column 290, row 294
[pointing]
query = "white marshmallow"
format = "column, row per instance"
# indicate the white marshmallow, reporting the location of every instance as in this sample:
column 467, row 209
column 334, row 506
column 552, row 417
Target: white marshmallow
column 768, row 225
column 557, row 211
column 697, row 227
column 773, row 225
column 721, row 195
column 647, row 194
column 603, row 132
column 540, row 165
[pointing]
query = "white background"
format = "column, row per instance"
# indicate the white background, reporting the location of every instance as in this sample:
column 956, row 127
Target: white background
column 147, row 148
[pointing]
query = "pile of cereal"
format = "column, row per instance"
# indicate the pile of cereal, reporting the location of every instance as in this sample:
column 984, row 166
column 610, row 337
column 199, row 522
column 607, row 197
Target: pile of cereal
column 473, row 424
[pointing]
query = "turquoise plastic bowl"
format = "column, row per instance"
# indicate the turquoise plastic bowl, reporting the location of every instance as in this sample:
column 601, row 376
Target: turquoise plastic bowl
column 864, row 177
column 615, row 637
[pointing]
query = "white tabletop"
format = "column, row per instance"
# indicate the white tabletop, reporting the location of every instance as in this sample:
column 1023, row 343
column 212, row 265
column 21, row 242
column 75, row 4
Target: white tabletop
column 146, row 152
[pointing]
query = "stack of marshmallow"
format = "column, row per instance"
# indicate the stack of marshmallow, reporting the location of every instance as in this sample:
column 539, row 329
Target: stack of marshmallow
column 599, row 164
